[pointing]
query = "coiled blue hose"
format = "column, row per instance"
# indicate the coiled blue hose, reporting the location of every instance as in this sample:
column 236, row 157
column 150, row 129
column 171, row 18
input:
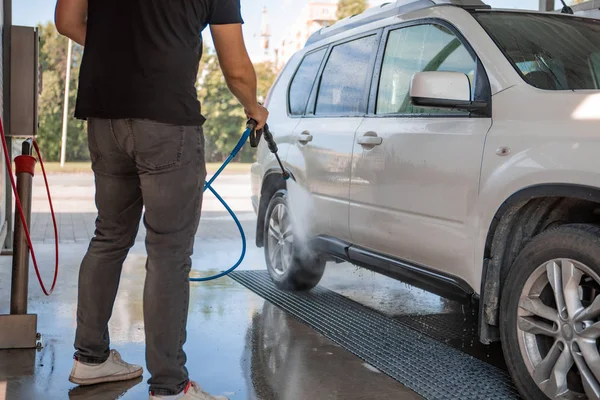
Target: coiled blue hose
column 208, row 186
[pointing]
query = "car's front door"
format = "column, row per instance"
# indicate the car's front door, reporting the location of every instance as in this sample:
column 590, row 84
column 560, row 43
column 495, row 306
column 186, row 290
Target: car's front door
column 324, row 137
column 416, row 170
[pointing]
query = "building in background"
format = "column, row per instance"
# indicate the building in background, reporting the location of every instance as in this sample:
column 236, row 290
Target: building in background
column 265, row 40
column 316, row 15
column 550, row 5
column 265, row 31
column 586, row 8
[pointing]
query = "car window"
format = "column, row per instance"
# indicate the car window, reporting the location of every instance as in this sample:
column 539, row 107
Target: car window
column 550, row 51
column 417, row 49
column 533, row 69
column 595, row 67
column 303, row 82
column 346, row 78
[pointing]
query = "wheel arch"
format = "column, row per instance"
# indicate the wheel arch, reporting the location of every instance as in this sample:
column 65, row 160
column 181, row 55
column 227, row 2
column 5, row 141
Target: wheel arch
column 524, row 215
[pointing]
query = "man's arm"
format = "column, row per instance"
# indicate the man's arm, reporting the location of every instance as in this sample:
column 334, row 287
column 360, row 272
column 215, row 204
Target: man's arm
column 71, row 19
column 238, row 69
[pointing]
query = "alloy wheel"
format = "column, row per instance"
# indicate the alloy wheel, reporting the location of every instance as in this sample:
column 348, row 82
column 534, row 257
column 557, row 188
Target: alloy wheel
column 280, row 239
column 559, row 329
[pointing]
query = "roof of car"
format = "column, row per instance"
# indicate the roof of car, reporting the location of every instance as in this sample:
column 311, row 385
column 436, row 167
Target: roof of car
column 387, row 10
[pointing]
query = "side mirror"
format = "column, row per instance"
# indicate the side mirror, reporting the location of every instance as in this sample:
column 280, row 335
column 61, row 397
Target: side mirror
column 443, row 90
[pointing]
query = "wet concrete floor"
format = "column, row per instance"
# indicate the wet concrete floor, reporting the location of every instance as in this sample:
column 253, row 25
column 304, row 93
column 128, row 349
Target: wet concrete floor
column 238, row 344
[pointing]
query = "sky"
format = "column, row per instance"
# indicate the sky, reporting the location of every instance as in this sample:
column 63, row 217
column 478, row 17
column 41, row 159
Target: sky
column 282, row 14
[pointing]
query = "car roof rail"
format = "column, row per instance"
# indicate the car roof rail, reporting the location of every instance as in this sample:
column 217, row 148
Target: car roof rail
column 387, row 10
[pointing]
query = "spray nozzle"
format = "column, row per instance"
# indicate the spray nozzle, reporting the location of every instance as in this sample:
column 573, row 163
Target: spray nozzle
column 255, row 137
column 257, row 134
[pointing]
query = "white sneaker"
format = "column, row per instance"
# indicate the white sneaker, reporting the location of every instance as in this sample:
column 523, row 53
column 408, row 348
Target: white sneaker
column 193, row 391
column 112, row 370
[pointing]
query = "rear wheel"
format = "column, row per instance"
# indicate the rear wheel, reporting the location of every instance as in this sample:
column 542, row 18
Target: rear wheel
column 550, row 312
column 291, row 263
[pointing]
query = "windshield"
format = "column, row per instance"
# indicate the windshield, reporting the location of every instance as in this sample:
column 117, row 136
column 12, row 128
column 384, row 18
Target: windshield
column 552, row 52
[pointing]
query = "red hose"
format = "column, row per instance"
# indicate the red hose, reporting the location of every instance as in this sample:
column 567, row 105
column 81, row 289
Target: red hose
column 22, row 214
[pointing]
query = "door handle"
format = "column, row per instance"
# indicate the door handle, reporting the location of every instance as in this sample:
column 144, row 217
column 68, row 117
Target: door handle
column 370, row 139
column 305, row 137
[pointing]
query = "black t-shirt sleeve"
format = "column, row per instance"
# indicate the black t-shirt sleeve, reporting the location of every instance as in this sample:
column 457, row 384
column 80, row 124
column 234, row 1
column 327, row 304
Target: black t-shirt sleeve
column 226, row 12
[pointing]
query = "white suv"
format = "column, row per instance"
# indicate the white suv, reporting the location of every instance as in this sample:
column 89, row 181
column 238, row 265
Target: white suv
column 457, row 148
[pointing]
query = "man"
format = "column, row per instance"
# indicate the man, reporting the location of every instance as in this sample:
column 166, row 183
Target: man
column 137, row 91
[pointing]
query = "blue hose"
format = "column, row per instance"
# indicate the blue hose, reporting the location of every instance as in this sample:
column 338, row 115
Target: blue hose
column 208, row 186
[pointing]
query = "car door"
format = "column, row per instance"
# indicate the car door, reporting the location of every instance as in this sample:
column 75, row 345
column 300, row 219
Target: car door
column 324, row 137
column 415, row 174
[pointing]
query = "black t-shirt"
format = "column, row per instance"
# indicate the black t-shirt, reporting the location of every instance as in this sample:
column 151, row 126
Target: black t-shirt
column 141, row 58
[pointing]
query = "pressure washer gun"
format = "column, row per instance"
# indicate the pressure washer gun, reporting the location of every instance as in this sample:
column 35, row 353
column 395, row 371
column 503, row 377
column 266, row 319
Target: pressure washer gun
column 255, row 136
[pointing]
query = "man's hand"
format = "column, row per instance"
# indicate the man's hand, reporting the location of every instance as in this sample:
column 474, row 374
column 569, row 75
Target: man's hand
column 70, row 17
column 238, row 69
column 260, row 115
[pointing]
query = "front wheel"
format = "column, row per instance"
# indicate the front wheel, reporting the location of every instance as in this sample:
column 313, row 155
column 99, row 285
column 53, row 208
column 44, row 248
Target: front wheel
column 291, row 263
column 549, row 315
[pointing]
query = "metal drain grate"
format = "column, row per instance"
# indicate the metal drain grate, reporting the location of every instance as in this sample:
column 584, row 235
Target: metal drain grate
column 443, row 327
column 428, row 367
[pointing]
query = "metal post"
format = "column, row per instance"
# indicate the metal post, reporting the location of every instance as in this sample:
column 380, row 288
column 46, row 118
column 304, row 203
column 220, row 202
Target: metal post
column 6, row 47
column 20, row 264
column 546, row 5
column 63, row 149
column 19, row 329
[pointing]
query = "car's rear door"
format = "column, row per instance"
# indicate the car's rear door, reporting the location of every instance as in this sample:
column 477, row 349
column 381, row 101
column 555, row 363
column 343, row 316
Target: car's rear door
column 416, row 170
column 324, row 137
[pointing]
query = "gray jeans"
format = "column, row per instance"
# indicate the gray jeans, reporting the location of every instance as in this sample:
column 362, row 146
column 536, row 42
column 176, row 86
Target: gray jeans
column 161, row 167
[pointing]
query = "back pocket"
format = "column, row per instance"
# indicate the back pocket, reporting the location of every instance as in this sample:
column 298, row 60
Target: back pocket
column 156, row 145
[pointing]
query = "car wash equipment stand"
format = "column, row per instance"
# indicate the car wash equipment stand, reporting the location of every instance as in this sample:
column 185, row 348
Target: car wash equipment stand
column 19, row 329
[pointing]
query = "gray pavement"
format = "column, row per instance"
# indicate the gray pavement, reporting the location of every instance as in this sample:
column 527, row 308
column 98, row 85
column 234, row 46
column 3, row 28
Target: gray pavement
column 73, row 196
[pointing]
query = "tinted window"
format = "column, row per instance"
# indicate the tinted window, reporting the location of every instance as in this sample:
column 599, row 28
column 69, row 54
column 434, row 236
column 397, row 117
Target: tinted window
column 418, row 49
column 346, row 78
column 303, row 82
column 595, row 66
column 552, row 52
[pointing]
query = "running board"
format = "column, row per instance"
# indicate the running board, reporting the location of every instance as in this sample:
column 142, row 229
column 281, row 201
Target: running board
column 443, row 285
column 428, row 367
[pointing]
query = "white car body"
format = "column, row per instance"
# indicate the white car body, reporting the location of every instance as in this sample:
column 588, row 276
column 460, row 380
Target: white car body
column 443, row 208
column 434, row 195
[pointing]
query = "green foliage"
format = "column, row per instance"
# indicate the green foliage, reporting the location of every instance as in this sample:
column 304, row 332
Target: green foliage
column 53, row 60
column 266, row 75
column 226, row 119
column 347, row 8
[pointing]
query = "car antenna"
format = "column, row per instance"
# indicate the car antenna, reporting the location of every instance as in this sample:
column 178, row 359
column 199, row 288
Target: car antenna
column 566, row 9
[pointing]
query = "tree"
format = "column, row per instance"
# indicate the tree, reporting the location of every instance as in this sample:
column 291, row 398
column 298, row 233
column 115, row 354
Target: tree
column 347, row 8
column 53, row 62
column 265, row 73
column 225, row 115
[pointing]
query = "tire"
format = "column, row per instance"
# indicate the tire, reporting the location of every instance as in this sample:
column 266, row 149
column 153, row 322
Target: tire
column 297, row 268
column 569, row 254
